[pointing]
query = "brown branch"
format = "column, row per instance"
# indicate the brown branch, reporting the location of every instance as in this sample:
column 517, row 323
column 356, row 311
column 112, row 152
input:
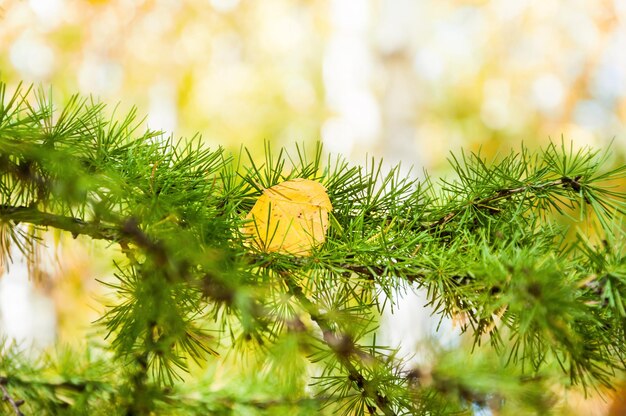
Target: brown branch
column 370, row 272
column 15, row 404
column 129, row 231
column 343, row 346
column 123, row 233
column 507, row 193
column 76, row 226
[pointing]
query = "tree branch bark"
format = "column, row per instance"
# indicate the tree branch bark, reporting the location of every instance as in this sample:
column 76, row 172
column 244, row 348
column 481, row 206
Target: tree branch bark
column 15, row 404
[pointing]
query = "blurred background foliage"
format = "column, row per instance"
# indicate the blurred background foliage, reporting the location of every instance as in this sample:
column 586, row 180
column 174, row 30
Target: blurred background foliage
column 406, row 80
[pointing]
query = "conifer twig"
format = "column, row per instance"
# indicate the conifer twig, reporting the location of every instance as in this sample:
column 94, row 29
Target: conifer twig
column 15, row 404
column 370, row 272
column 76, row 226
column 342, row 346
column 506, row 193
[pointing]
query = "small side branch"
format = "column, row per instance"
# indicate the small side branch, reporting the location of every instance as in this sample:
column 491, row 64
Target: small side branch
column 127, row 231
column 371, row 272
column 507, row 193
column 342, row 346
column 15, row 404
column 76, row 226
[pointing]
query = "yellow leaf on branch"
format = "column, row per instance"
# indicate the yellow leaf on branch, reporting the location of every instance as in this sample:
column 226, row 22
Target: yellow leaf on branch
column 290, row 218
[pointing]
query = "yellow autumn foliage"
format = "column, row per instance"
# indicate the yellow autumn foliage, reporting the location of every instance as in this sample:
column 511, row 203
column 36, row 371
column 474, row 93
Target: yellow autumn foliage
column 289, row 218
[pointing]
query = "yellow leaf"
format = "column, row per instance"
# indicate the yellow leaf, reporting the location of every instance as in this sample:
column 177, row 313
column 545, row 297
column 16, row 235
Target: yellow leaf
column 290, row 218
